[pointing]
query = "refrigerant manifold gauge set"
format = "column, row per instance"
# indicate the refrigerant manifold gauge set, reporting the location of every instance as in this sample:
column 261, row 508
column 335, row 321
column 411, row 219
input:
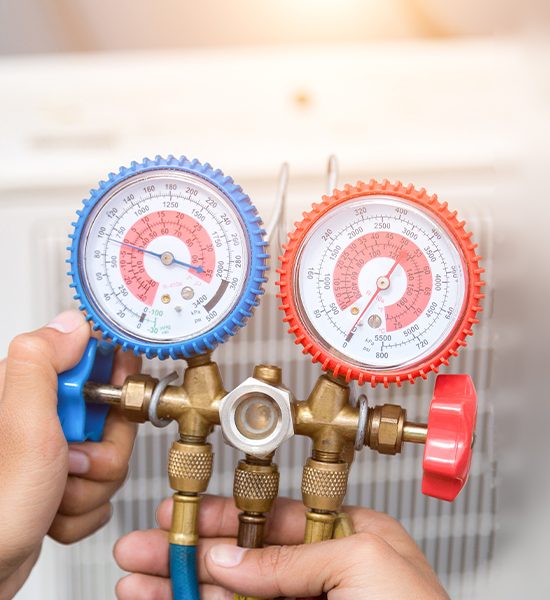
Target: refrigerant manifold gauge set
column 379, row 283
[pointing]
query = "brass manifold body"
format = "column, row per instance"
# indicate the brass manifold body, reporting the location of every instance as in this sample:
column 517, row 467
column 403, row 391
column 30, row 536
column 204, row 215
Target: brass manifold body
column 257, row 417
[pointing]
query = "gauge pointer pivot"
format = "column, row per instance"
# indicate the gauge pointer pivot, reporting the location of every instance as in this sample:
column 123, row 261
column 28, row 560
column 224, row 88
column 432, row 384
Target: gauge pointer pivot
column 382, row 283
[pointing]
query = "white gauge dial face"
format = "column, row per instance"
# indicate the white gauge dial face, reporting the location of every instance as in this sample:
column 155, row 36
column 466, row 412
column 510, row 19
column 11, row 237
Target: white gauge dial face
column 380, row 283
column 164, row 256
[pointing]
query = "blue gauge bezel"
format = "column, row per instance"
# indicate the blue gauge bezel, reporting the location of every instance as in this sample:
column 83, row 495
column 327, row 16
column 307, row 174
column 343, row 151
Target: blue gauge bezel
column 252, row 288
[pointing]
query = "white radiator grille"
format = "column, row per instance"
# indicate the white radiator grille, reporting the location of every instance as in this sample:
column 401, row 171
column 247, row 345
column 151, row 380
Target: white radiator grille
column 457, row 538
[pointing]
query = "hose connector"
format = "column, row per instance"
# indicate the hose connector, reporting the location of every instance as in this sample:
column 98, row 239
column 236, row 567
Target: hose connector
column 324, row 486
column 190, row 467
column 185, row 518
column 189, row 471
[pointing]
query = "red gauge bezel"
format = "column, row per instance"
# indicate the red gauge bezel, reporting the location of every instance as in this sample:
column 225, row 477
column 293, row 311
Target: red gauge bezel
column 336, row 363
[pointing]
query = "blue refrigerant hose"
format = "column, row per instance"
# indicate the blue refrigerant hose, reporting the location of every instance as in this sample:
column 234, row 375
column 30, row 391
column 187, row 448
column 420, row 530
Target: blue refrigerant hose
column 183, row 572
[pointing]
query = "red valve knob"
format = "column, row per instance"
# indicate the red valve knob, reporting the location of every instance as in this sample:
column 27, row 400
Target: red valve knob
column 449, row 442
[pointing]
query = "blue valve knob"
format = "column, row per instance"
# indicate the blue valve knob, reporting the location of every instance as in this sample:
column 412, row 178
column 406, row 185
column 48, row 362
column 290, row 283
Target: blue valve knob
column 83, row 421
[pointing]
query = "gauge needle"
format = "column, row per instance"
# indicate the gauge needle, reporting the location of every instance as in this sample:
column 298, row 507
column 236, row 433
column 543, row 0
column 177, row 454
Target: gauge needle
column 382, row 283
column 166, row 257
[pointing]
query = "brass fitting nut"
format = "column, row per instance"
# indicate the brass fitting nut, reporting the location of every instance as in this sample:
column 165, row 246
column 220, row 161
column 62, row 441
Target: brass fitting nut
column 136, row 397
column 255, row 486
column 385, row 428
column 271, row 374
column 190, row 467
column 184, row 530
column 319, row 527
column 324, row 484
column 256, row 417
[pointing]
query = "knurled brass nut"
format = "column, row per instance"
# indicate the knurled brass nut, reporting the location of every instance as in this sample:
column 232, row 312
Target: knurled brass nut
column 324, row 485
column 385, row 430
column 255, row 487
column 256, row 417
column 190, row 467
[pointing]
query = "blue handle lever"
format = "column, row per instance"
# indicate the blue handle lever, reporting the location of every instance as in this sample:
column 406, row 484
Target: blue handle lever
column 83, row 421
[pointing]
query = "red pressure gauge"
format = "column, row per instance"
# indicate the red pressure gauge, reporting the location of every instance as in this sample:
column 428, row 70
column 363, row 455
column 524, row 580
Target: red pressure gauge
column 380, row 283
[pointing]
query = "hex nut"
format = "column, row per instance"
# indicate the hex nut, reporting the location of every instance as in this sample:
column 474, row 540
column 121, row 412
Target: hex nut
column 275, row 403
column 136, row 397
column 385, row 430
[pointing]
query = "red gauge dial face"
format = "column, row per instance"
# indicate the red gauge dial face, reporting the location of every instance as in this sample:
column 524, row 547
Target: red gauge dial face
column 370, row 255
column 380, row 283
column 153, row 243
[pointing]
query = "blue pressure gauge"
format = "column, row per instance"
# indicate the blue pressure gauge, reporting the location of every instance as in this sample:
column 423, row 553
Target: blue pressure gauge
column 168, row 257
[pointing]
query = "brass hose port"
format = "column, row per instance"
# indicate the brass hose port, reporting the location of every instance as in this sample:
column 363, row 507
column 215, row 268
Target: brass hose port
column 256, row 417
column 324, row 485
column 190, row 467
column 255, row 486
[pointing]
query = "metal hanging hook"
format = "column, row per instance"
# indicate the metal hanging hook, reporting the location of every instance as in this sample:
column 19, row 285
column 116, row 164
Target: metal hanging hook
column 276, row 230
column 332, row 173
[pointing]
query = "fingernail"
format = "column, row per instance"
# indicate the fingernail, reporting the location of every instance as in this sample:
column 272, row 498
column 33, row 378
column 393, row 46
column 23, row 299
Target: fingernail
column 79, row 463
column 67, row 321
column 226, row 555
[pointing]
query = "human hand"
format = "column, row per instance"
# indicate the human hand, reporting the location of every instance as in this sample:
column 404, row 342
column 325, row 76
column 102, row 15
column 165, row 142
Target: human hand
column 49, row 486
column 379, row 562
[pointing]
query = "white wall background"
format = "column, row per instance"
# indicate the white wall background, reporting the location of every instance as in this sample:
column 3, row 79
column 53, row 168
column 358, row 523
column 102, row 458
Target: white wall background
column 90, row 25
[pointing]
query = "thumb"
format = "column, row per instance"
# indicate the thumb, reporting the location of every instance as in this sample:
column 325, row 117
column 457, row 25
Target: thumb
column 34, row 360
column 287, row 571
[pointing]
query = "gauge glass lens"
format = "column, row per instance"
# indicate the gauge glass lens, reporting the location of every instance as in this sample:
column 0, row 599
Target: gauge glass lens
column 164, row 256
column 380, row 283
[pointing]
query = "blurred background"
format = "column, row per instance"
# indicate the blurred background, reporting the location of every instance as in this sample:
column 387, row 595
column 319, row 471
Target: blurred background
column 452, row 96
